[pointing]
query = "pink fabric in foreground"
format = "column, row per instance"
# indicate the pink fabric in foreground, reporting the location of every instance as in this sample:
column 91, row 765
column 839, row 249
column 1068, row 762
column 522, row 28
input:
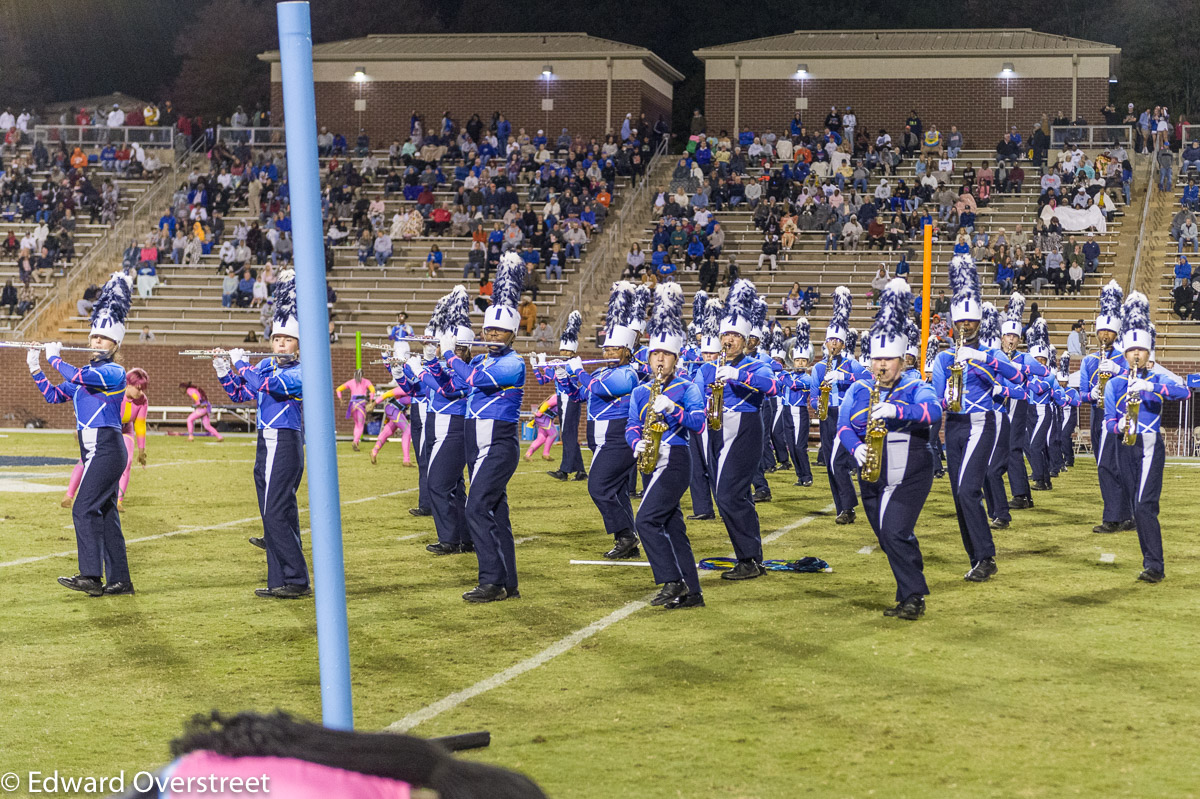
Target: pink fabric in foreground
column 286, row 777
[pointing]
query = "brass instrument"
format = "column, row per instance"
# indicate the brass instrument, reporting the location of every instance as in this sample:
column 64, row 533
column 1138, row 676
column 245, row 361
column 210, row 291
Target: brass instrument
column 1102, row 379
column 954, row 386
column 876, row 433
column 826, row 390
column 654, row 429
column 1133, row 406
column 716, row 400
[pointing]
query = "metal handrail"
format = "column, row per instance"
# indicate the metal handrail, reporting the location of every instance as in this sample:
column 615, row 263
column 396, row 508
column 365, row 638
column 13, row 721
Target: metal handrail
column 600, row 254
column 1151, row 187
column 110, row 246
column 256, row 137
column 100, row 135
column 1091, row 135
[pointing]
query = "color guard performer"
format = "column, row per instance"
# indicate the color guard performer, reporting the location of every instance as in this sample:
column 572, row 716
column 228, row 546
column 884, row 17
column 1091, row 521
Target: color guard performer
column 275, row 385
column 361, row 391
column 1097, row 369
column 831, row 377
column 607, row 393
column 736, row 448
column 572, row 455
column 885, row 421
column 1137, row 428
column 964, row 377
column 97, row 392
column 677, row 406
column 493, row 433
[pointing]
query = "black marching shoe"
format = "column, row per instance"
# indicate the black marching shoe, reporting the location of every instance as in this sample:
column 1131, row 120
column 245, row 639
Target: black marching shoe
column 1151, row 576
column 668, row 592
column 287, row 591
column 118, row 589
column 258, row 541
column 702, row 517
column 1107, row 527
column 910, row 609
column 580, row 477
column 486, row 592
column 420, row 511
column 982, row 571
column 744, row 570
column 685, row 601
column 762, row 495
column 88, row 585
column 1022, row 502
column 1129, row 524
column 940, row 473
column 441, row 548
column 998, row 524
column 558, row 474
column 1041, row 485
column 625, row 546
column 845, row 517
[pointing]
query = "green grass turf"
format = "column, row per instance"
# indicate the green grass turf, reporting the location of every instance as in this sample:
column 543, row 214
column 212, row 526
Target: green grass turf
column 1063, row 676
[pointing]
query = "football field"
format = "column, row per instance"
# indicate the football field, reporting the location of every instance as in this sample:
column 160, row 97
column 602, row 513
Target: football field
column 1061, row 676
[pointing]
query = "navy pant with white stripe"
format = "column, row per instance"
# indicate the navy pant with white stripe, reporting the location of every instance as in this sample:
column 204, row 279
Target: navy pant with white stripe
column 613, row 466
column 278, row 467
column 839, row 464
column 1070, row 422
column 572, row 455
column 701, row 483
column 444, row 483
column 935, row 441
column 1141, row 469
column 418, row 415
column 660, row 524
column 1038, row 443
column 493, row 452
column 780, row 437
column 993, row 489
column 1113, row 493
column 893, row 505
column 766, row 458
column 98, row 537
column 1018, row 431
column 970, row 438
column 1055, row 439
column 735, row 450
column 798, row 422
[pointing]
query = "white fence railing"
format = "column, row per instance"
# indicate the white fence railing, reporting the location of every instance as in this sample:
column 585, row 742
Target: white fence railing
column 98, row 136
column 255, row 137
column 1091, row 135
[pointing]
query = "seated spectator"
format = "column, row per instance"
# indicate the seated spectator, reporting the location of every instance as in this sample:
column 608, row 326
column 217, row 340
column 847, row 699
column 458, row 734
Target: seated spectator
column 433, row 261
column 954, row 142
column 1007, row 150
column 245, row 290
column 793, row 304
column 770, row 249
column 229, row 289
column 1186, row 300
column 147, row 279
column 708, row 273
column 1183, row 270
column 1074, row 278
column 383, row 248
column 634, row 261
column 878, row 284
column 9, row 297
column 1190, row 158
column 1189, row 233
column 1191, row 193
column 528, row 313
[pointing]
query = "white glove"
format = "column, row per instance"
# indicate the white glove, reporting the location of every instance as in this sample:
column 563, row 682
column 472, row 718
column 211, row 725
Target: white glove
column 1123, row 424
column 885, row 410
column 998, row 391
column 416, row 366
column 541, row 359
column 1096, row 392
column 860, row 453
column 727, row 372
column 663, row 404
column 831, row 376
column 969, row 354
column 34, row 359
column 1110, row 366
column 238, row 355
column 1140, row 385
column 430, row 351
column 54, row 350
column 221, row 364
column 447, row 343
column 561, row 373
column 576, row 364
column 639, row 447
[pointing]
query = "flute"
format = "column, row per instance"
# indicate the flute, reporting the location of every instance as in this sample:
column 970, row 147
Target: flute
column 38, row 345
column 218, row 353
column 433, row 340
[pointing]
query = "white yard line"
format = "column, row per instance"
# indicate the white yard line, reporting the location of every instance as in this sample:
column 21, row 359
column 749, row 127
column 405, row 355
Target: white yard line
column 559, row 647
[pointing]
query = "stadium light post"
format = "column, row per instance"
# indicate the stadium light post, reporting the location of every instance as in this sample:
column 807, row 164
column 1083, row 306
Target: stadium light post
column 300, row 127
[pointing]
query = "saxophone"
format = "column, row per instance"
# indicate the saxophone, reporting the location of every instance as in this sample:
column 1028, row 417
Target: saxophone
column 1133, row 406
column 954, row 386
column 716, row 400
column 876, row 433
column 653, row 432
column 826, row 389
column 1102, row 379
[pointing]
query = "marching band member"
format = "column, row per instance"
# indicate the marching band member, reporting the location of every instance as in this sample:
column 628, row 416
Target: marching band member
column 907, row 407
column 275, row 384
column 97, row 392
column 797, row 385
column 361, row 390
column 445, row 428
column 932, row 348
column 1097, row 368
column 133, row 429
column 497, row 381
column 201, row 411
column 1141, row 460
column 755, row 349
column 782, row 434
column 706, row 311
column 1070, row 412
column 640, row 302
column 1041, row 392
column 677, row 403
column 970, row 421
column 572, row 455
column 912, row 353
column 736, row 448
column 995, row 499
column 838, row 372
column 1014, row 405
column 607, row 392
column 420, row 421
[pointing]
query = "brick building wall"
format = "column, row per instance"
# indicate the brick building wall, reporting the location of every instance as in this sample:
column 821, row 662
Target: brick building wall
column 579, row 105
column 973, row 105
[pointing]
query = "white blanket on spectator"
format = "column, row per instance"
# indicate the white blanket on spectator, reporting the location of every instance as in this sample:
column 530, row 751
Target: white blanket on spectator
column 1073, row 219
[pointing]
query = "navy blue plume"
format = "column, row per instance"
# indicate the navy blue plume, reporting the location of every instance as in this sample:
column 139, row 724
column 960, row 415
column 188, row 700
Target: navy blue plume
column 439, row 319
column 758, row 314
column 1135, row 313
column 699, row 302
column 667, row 317
column 932, row 348
column 803, row 333
column 285, row 296
column 643, row 298
column 114, row 300
column 1064, row 364
column 914, row 334
column 510, row 279
column 1111, row 297
column 891, row 321
column 739, row 303
column 851, row 341
column 1037, row 334
column 570, row 334
column 1015, row 311
column 620, row 298
column 458, row 309
column 710, row 319
column 989, row 327
column 964, row 279
column 843, row 303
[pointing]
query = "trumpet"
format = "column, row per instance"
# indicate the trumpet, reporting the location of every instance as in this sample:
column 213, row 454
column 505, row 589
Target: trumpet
column 38, row 345
column 954, row 386
column 716, row 400
column 1133, row 406
column 655, row 427
column 876, row 433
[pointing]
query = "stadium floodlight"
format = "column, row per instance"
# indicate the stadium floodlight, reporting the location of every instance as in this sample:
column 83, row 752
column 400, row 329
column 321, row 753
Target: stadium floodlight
column 1112, row 78
column 547, row 71
column 1007, row 69
column 802, row 70
column 360, row 73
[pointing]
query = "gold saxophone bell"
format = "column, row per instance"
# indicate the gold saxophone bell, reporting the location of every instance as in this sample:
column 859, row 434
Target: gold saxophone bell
column 876, row 433
column 1133, row 407
column 655, row 427
column 954, row 385
column 716, row 400
column 826, row 389
column 1102, row 380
